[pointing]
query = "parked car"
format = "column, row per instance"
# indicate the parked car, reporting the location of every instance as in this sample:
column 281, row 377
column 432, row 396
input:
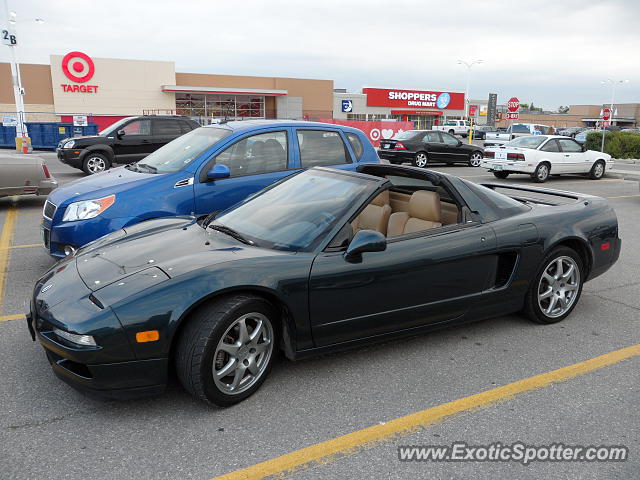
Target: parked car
column 514, row 131
column 324, row 260
column 126, row 141
column 582, row 136
column 544, row 155
column 631, row 130
column 421, row 147
column 455, row 127
column 480, row 132
column 571, row 131
column 207, row 169
column 25, row 175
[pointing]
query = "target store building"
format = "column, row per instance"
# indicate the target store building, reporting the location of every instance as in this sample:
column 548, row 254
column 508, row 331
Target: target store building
column 108, row 89
column 425, row 108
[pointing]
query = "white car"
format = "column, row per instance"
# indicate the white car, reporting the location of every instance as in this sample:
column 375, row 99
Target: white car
column 544, row 155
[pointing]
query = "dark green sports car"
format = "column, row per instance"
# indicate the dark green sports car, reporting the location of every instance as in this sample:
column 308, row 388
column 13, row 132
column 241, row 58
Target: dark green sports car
column 322, row 260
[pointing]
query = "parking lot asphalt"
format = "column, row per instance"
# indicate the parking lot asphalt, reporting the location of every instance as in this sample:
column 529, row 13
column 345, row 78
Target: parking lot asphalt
column 48, row 430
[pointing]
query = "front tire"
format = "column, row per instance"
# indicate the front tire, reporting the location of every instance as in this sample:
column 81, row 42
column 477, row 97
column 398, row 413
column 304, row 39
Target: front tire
column 420, row 159
column 95, row 163
column 541, row 173
column 501, row 175
column 556, row 287
column 597, row 171
column 225, row 352
column 475, row 159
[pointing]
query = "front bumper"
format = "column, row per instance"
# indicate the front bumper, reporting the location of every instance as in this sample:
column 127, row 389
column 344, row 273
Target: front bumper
column 70, row 156
column 109, row 369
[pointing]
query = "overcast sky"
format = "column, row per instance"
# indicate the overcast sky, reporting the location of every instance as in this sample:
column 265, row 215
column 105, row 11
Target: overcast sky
column 547, row 52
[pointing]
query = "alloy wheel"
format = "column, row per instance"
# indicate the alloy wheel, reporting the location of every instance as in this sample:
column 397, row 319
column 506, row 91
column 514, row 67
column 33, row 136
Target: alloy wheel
column 543, row 172
column 475, row 159
column 421, row 160
column 96, row 164
column 558, row 286
column 243, row 353
column 598, row 170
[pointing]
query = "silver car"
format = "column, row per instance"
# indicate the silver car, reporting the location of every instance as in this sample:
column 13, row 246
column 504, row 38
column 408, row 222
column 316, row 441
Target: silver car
column 24, row 175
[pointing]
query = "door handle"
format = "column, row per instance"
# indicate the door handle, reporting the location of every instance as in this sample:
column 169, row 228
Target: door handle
column 146, row 141
column 567, row 155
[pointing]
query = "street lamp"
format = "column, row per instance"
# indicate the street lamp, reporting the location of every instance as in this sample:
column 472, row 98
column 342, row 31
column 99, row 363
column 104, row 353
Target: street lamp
column 10, row 39
column 614, row 84
column 466, row 93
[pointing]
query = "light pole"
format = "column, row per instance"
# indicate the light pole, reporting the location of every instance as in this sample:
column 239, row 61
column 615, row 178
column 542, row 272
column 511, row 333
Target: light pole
column 614, row 84
column 10, row 39
column 466, row 92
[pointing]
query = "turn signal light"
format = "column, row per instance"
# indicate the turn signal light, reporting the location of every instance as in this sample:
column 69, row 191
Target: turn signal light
column 605, row 246
column 46, row 171
column 515, row 156
column 400, row 146
column 147, row 336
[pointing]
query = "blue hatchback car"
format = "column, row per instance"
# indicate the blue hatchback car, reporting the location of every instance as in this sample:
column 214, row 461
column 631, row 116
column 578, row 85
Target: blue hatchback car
column 205, row 170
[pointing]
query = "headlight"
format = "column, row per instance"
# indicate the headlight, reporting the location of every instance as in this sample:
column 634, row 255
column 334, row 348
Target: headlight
column 87, row 208
column 69, row 144
column 86, row 340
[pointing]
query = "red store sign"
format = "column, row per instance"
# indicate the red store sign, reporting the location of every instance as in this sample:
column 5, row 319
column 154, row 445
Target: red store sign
column 385, row 97
column 79, row 68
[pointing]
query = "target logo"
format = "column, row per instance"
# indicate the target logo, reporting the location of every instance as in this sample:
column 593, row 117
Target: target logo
column 78, row 67
column 374, row 134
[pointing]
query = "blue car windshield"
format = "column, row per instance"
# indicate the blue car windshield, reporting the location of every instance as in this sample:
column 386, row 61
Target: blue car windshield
column 296, row 214
column 180, row 152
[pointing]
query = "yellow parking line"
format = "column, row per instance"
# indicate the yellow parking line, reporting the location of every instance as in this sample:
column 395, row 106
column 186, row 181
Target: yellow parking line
column 6, row 318
column 5, row 242
column 28, row 245
column 352, row 443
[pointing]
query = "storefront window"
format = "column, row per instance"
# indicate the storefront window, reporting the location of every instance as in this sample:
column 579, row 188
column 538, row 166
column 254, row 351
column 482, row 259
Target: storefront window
column 203, row 106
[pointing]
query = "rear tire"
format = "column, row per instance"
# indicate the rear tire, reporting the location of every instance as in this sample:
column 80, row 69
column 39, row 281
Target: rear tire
column 555, row 292
column 420, row 159
column 452, row 132
column 475, row 159
column 501, row 175
column 95, row 163
column 541, row 173
column 597, row 171
column 233, row 337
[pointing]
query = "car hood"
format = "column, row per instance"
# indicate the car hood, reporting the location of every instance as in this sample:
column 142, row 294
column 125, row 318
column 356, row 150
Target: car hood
column 162, row 249
column 108, row 182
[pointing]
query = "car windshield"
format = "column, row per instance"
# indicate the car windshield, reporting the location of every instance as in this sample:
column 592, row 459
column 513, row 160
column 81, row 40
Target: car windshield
column 183, row 150
column 111, row 129
column 520, row 128
column 296, row 214
column 530, row 141
column 406, row 135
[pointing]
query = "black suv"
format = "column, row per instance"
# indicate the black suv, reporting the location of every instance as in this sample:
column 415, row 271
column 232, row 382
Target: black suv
column 126, row 141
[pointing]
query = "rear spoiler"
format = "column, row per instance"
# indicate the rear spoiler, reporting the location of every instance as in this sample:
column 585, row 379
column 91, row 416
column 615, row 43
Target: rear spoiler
column 545, row 191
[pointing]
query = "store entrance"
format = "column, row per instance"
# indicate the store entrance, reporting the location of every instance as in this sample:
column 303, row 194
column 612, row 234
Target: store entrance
column 421, row 122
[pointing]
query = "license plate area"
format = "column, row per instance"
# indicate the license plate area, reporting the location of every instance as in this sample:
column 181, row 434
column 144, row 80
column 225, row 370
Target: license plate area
column 497, row 167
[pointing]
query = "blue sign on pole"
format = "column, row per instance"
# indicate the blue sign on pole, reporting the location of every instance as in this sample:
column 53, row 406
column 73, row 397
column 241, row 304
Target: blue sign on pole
column 347, row 106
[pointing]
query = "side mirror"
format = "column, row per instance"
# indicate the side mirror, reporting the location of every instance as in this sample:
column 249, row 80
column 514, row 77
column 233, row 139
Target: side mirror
column 459, row 142
column 365, row 241
column 121, row 133
column 218, row 171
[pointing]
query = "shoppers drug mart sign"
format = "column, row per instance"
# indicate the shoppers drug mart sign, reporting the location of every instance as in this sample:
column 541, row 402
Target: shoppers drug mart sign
column 385, row 97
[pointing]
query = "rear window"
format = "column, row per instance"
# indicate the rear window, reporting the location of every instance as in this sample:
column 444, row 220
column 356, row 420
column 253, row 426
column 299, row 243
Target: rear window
column 519, row 128
column 406, row 135
column 530, row 141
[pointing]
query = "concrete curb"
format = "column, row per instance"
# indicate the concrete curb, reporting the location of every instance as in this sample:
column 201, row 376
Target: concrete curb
column 624, row 175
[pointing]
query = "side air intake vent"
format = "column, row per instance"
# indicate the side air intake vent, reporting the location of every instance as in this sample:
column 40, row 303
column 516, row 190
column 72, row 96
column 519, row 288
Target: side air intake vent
column 504, row 270
column 184, row 182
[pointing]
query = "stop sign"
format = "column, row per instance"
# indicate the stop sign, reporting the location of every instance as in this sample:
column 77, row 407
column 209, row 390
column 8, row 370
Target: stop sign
column 513, row 104
column 606, row 114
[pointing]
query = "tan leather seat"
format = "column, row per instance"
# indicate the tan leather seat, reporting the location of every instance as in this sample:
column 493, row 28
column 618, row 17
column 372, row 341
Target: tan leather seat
column 425, row 212
column 375, row 216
